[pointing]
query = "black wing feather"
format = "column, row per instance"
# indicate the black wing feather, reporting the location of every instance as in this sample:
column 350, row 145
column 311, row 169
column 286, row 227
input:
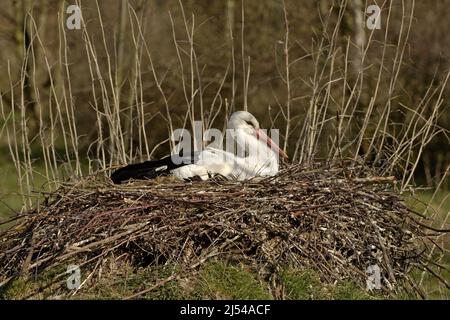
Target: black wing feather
column 150, row 169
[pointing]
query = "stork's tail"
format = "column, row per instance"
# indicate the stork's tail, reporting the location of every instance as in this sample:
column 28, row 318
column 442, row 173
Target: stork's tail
column 144, row 170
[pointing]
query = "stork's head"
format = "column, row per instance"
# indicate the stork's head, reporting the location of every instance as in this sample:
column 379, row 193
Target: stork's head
column 244, row 122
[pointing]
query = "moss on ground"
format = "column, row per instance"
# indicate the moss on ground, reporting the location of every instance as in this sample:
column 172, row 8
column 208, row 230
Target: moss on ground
column 219, row 280
column 215, row 280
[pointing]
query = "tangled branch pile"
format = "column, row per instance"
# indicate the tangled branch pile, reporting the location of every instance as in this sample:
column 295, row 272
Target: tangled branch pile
column 336, row 221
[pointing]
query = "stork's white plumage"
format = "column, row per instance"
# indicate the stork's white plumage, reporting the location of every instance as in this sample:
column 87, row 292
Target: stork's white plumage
column 258, row 157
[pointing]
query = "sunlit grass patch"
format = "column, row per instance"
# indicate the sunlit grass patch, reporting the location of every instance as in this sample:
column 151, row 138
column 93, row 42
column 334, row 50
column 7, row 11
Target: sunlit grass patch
column 219, row 280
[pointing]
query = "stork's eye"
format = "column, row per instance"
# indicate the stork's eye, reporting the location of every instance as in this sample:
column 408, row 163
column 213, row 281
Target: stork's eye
column 249, row 123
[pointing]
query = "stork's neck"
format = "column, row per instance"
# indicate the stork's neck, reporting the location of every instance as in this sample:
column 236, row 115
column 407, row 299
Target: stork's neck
column 256, row 150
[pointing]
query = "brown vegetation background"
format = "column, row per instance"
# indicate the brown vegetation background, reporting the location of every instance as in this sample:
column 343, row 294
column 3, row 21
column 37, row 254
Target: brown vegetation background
column 111, row 92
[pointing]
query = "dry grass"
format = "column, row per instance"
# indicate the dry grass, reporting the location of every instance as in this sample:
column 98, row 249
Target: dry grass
column 338, row 100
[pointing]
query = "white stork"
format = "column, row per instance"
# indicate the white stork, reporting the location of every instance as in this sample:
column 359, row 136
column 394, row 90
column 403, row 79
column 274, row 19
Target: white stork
column 260, row 157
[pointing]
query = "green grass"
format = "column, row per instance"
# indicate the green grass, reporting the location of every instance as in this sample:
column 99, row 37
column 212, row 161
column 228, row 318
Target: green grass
column 215, row 280
column 306, row 285
column 219, row 280
column 11, row 200
column 8, row 187
column 32, row 286
column 439, row 207
column 303, row 285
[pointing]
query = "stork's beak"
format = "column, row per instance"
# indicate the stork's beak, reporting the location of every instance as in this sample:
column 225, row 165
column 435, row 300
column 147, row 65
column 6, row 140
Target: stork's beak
column 263, row 137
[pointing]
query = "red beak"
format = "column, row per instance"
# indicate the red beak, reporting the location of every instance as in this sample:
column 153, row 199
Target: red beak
column 263, row 137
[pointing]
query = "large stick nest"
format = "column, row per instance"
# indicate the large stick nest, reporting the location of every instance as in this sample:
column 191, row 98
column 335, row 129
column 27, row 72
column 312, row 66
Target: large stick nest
column 337, row 221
